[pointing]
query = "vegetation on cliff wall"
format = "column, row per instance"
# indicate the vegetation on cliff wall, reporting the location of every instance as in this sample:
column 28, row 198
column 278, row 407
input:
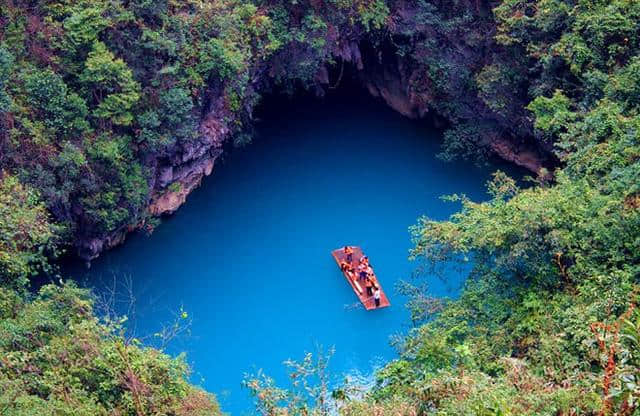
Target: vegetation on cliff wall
column 27, row 235
column 56, row 359
column 94, row 95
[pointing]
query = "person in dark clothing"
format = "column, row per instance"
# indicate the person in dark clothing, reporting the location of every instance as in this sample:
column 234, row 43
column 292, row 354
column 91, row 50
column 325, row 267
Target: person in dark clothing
column 348, row 251
column 376, row 297
column 369, row 284
column 362, row 271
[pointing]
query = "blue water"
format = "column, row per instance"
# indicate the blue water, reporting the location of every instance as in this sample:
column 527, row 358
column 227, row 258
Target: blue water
column 248, row 255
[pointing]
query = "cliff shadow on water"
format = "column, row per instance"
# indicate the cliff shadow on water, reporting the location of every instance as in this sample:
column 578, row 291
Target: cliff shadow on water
column 247, row 258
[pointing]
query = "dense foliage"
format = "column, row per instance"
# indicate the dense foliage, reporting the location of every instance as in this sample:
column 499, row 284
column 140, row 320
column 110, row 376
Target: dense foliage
column 56, row 359
column 95, row 95
column 27, row 236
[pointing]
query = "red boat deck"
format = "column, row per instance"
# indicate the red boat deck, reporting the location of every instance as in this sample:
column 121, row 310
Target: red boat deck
column 359, row 287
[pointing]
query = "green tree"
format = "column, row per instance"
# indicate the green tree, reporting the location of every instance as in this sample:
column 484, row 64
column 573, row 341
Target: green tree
column 61, row 109
column 109, row 83
column 6, row 62
column 82, row 27
column 222, row 58
column 27, row 234
column 553, row 115
column 119, row 190
column 169, row 121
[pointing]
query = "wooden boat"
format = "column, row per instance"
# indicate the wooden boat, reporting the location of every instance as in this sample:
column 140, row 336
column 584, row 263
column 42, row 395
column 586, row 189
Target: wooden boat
column 357, row 285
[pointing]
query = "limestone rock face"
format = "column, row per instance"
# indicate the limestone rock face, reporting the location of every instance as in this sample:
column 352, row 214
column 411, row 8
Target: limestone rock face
column 522, row 155
column 175, row 176
column 393, row 87
column 168, row 200
column 399, row 88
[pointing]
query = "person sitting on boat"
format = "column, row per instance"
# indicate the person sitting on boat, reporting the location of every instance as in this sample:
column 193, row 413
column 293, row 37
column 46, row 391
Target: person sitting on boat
column 364, row 260
column 347, row 268
column 369, row 270
column 376, row 296
column 362, row 271
column 348, row 251
column 369, row 284
column 374, row 281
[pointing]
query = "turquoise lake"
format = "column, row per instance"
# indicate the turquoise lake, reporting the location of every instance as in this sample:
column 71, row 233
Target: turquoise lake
column 248, row 256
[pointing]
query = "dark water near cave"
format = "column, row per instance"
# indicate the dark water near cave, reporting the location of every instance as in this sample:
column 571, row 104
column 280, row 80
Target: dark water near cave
column 248, row 256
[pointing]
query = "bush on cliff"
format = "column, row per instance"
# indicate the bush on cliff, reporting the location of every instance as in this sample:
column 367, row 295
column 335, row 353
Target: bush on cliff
column 57, row 359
